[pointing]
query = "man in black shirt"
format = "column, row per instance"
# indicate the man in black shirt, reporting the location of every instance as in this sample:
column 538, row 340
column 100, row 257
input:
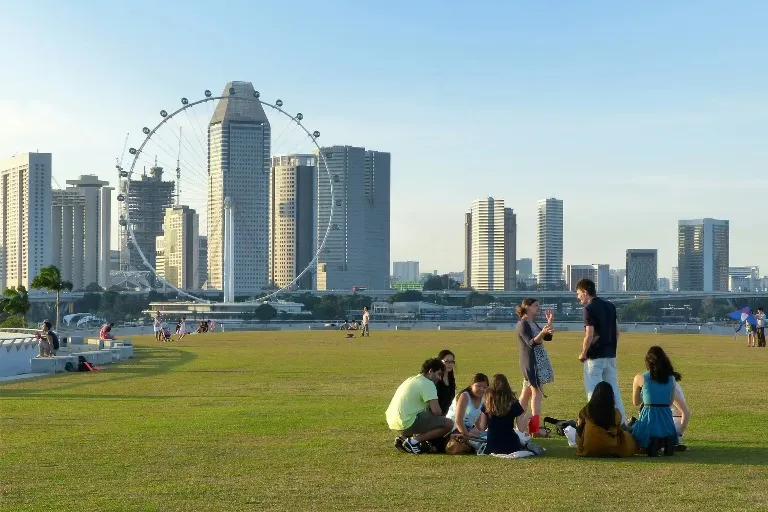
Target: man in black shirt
column 601, row 335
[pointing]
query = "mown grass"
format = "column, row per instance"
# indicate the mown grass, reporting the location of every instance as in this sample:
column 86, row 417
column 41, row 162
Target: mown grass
column 295, row 421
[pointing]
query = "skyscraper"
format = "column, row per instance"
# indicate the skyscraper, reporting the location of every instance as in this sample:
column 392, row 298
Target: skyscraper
column 202, row 262
column 524, row 267
column 549, row 241
column 405, row 271
column 702, row 255
column 147, row 198
column 642, row 270
column 356, row 252
column 181, row 235
column 491, row 246
column 291, row 219
column 575, row 273
column 81, row 223
column 238, row 167
column 25, row 218
column 603, row 283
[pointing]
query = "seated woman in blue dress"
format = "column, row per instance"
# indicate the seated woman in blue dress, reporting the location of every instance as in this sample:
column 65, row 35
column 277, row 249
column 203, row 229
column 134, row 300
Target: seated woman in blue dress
column 654, row 390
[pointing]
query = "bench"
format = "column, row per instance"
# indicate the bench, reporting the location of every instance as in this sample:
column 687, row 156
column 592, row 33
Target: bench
column 51, row 364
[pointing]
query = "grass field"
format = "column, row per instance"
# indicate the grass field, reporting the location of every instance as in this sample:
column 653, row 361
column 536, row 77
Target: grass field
column 295, row 421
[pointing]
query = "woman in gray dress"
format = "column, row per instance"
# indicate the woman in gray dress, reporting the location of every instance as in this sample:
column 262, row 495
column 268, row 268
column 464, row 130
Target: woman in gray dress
column 534, row 360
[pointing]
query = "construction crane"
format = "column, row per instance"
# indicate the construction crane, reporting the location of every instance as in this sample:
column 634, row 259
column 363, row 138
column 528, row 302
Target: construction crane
column 119, row 161
column 178, row 172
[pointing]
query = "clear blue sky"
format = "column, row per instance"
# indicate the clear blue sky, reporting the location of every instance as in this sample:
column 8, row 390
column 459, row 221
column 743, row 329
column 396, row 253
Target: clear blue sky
column 635, row 114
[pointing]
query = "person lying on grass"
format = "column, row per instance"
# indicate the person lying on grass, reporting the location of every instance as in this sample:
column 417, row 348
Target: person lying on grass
column 599, row 429
column 414, row 412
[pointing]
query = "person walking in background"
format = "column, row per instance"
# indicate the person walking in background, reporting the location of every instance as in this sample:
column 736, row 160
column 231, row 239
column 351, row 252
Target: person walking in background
column 181, row 329
column 366, row 319
column 534, row 360
column 158, row 327
column 760, row 318
column 601, row 337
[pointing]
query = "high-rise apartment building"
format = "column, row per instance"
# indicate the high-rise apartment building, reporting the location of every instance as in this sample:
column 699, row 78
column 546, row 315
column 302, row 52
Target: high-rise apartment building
column 181, row 235
column 291, row 219
column 491, row 244
column 549, row 242
column 25, row 218
column 603, row 283
column 674, row 283
column 160, row 257
column 405, row 271
column 642, row 270
column 202, row 262
column 575, row 273
column 81, row 223
column 146, row 200
column 702, row 255
column 356, row 251
column 239, row 138
column 618, row 280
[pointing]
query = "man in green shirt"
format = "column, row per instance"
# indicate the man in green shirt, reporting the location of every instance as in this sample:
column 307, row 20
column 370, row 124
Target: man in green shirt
column 414, row 412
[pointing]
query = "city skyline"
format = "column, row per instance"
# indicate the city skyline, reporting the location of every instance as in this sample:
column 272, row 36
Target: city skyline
column 613, row 120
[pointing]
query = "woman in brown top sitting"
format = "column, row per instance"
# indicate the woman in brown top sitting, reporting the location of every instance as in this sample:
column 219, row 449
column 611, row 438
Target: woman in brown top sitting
column 599, row 430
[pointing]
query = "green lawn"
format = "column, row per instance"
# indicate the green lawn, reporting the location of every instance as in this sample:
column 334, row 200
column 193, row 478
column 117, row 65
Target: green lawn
column 295, row 421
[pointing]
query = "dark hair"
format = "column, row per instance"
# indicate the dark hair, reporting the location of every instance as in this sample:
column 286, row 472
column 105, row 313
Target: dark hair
column 602, row 406
column 499, row 397
column 587, row 286
column 522, row 309
column 451, row 374
column 760, row 308
column 432, row 365
column 659, row 366
column 47, row 325
column 479, row 377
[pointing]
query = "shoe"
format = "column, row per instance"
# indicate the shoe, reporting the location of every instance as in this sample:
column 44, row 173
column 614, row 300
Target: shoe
column 412, row 447
column 653, row 447
column 680, row 447
column 399, row 444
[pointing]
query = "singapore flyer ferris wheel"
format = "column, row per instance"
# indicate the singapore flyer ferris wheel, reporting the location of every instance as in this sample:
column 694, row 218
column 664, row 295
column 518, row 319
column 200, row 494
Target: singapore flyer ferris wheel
column 241, row 172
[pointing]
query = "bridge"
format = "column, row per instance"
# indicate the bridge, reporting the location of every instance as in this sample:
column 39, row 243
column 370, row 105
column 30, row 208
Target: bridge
column 544, row 296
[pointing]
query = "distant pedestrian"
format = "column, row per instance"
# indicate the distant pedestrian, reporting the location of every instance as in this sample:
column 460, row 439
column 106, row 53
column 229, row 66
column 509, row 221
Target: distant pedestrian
column 158, row 327
column 760, row 317
column 366, row 319
column 601, row 337
column 182, row 328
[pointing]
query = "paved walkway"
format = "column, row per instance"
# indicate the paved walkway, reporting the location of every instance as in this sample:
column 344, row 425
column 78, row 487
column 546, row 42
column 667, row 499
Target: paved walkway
column 11, row 378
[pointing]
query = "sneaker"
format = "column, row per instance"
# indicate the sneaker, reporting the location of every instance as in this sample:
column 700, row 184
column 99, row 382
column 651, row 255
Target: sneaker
column 399, row 444
column 680, row 447
column 412, row 446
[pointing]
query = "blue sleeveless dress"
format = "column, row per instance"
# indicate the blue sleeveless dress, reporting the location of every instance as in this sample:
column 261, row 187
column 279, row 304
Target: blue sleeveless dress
column 656, row 417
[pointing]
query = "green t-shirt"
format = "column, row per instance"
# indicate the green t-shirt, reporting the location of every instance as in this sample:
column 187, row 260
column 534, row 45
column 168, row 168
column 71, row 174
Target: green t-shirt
column 410, row 399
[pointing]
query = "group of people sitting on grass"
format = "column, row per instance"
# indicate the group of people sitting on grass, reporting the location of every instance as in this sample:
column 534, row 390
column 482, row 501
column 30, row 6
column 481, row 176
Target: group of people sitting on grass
column 486, row 417
column 429, row 415
column 163, row 333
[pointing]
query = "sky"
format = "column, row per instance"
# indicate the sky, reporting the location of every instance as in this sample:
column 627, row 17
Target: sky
column 634, row 114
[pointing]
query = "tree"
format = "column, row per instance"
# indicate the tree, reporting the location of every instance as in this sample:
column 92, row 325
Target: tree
column 15, row 302
column 407, row 296
column 49, row 278
column 265, row 312
column 93, row 288
column 443, row 282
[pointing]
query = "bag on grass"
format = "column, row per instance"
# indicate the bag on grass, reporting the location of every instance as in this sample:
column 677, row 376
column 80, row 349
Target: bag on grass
column 459, row 445
column 70, row 367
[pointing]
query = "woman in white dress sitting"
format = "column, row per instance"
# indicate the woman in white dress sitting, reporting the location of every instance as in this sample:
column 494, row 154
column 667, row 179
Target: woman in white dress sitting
column 465, row 407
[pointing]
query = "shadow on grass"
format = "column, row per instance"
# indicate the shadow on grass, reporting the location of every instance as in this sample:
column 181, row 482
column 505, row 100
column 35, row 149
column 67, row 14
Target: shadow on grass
column 147, row 362
column 756, row 455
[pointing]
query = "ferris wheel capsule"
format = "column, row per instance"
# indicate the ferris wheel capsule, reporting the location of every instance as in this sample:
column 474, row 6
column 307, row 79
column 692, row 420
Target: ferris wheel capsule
column 123, row 222
column 299, row 116
column 316, row 134
column 132, row 151
column 207, row 93
column 256, row 94
column 163, row 113
column 184, row 101
column 121, row 197
column 279, row 103
column 231, row 91
column 146, row 130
